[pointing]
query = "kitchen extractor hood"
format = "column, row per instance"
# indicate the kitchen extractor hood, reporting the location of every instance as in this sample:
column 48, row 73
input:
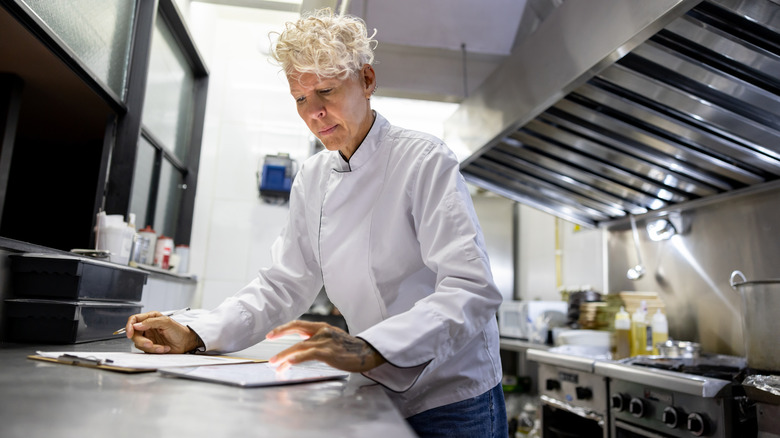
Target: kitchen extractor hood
column 618, row 107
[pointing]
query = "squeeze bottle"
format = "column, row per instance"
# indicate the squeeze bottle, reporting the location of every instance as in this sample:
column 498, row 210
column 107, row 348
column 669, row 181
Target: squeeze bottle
column 639, row 338
column 622, row 334
column 660, row 330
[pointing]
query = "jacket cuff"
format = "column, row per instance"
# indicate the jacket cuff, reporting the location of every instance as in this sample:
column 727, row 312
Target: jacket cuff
column 395, row 378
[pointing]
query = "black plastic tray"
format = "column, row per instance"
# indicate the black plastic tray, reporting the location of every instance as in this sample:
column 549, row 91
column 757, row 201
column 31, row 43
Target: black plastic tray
column 65, row 322
column 76, row 278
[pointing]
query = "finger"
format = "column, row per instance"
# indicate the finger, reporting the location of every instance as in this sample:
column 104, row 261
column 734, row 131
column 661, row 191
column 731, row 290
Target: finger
column 281, row 367
column 303, row 328
column 283, row 361
column 129, row 327
column 284, row 355
column 292, row 327
column 129, row 332
column 302, row 352
column 148, row 344
column 149, row 335
column 144, row 316
column 160, row 322
column 145, row 344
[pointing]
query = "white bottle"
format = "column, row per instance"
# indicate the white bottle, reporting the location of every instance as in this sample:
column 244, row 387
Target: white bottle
column 660, row 330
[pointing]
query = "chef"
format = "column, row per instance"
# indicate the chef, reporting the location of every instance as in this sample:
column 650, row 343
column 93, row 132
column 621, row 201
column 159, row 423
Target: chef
column 383, row 220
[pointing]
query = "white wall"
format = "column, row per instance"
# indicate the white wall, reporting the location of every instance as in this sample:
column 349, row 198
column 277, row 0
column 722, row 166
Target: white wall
column 582, row 256
column 250, row 114
column 495, row 215
column 580, row 250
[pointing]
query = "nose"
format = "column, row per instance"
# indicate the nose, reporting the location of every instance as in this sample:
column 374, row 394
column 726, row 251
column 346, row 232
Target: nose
column 316, row 109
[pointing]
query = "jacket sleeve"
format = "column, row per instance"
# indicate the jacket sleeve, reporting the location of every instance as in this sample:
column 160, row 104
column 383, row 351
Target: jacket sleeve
column 277, row 295
column 465, row 298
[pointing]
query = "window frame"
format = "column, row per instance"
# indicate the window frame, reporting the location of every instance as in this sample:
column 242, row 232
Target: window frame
column 130, row 127
column 123, row 126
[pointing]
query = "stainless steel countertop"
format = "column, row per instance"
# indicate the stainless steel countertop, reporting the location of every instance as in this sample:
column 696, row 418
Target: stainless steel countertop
column 39, row 399
column 520, row 345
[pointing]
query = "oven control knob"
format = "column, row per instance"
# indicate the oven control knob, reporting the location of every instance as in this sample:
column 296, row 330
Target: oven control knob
column 696, row 424
column 671, row 417
column 636, row 407
column 553, row 385
column 583, row 393
column 618, row 402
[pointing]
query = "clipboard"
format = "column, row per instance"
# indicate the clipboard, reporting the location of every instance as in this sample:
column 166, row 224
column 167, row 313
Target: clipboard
column 127, row 362
column 256, row 375
column 89, row 363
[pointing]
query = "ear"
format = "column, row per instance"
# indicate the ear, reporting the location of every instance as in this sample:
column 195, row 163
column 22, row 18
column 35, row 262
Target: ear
column 368, row 76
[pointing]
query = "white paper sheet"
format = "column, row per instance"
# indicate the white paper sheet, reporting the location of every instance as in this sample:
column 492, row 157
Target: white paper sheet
column 257, row 374
column 145, row 361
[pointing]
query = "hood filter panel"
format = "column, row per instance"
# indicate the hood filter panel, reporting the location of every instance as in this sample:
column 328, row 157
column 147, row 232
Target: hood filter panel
column 692, row 112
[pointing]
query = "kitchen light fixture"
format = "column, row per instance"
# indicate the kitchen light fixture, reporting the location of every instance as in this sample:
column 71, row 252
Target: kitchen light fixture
column 660, row 229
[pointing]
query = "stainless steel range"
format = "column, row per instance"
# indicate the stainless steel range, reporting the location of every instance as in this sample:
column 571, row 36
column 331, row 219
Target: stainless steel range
column 659, row 397
column 574, row 398
column 645, row 396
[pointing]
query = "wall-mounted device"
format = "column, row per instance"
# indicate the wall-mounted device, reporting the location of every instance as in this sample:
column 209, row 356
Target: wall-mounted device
column 275, row 179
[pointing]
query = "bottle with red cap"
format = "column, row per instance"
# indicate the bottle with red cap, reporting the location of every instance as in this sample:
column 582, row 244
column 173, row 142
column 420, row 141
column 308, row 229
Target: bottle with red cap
column 162, row 253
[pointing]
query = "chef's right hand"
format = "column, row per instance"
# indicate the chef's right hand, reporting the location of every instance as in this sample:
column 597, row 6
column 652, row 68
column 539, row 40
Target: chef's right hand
column 153, row 332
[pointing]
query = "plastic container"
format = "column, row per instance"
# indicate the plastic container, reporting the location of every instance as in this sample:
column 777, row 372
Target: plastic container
column 57, row 276
column 183, row 251
column 115, row 236
column 660, row 329
column 65, row 322
column 146, row 243
column 622, row 334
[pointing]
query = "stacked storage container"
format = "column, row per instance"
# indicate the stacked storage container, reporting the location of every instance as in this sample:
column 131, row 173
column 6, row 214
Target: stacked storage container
column 67, row 299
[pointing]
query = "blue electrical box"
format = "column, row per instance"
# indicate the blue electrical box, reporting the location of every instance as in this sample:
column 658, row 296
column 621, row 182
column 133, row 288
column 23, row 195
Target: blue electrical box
column 277, row 177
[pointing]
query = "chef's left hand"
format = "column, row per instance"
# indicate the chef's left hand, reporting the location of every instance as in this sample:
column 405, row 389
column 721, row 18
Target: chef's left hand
column 325, row 343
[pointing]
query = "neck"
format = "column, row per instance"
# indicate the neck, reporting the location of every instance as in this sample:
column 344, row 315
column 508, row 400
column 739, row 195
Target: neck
column 346, row 153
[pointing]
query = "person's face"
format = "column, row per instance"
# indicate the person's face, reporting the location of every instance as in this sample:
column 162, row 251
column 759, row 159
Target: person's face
column 337, row 111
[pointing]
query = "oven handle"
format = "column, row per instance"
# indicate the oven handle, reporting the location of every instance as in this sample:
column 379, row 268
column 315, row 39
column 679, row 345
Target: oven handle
column 637, row 430
column 582, row 412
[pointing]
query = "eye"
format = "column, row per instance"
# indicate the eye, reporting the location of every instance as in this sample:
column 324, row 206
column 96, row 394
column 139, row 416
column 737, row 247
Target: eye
column 326, row 91
column 300, row 99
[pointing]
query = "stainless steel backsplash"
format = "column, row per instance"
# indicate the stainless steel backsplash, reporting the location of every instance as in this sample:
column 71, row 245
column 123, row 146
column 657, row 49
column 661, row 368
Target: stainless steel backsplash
column 691, row 271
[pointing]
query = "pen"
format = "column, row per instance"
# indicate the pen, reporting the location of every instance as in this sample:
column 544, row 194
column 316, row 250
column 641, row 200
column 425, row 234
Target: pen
column 75, row 360
column 168, row 313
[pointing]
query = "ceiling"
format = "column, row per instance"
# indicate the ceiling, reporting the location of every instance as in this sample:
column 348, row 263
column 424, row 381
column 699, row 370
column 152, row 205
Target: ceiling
column 444, row 49
column 439, row 50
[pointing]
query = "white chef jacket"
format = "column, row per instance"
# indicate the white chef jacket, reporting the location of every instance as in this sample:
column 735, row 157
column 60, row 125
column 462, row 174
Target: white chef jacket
column 393, row 236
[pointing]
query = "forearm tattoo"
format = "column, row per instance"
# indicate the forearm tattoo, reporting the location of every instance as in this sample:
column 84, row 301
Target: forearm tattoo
column 356, row 346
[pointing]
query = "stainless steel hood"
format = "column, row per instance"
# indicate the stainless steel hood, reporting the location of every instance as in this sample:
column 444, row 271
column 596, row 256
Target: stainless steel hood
column 616, row 107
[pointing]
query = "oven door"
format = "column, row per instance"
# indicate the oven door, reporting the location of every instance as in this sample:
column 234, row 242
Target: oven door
column 625, row 430
column 559, row 420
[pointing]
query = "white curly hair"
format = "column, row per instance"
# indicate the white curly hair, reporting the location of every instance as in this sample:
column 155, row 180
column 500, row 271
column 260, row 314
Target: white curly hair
column 325, row 44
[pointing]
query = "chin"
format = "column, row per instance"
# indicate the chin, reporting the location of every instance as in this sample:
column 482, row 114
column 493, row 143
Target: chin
column 330, row 147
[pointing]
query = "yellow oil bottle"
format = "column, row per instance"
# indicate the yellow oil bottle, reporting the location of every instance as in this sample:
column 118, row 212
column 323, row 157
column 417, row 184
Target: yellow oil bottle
column 639, row 331
column 622, row 334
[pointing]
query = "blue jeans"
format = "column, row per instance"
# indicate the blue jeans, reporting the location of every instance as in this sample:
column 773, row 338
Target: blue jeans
column 483, row 416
